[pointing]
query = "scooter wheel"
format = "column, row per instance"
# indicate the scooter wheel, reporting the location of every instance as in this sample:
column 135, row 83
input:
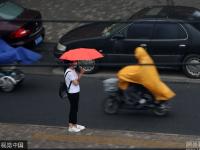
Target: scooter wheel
column 111, row 106
column 160, row 111
column 8, row 85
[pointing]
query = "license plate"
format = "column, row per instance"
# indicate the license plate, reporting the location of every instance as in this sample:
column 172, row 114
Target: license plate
column 38, row 40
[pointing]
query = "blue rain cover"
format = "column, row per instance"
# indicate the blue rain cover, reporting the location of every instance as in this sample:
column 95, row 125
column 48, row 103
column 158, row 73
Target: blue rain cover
column 22, row 55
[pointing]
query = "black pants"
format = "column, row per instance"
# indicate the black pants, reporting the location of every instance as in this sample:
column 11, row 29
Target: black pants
column 74, row 100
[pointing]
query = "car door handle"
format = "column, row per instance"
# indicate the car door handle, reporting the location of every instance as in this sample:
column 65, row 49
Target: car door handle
column 182, row 45
column 143, row 45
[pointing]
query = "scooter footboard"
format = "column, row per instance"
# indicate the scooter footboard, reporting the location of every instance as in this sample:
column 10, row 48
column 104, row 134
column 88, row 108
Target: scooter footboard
column 110, row 85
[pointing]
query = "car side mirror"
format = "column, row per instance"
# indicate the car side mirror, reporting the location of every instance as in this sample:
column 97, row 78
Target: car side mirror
column 118, row 37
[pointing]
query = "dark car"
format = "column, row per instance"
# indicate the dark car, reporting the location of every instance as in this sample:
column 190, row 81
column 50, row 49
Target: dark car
column 169, row 41
column 20, row 26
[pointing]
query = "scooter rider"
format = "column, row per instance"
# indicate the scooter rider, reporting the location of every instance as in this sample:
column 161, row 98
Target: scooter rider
column 145, row 74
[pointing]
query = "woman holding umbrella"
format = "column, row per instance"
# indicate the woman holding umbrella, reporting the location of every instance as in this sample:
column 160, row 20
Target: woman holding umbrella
column 72, row 79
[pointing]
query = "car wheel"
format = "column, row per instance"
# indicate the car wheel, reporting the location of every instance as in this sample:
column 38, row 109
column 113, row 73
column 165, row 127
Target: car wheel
column 8, row 84
column 192, row 71
column 88, row 65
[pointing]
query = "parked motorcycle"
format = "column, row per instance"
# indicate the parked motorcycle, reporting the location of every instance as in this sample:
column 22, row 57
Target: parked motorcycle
column 9, row 79
column 116, row 100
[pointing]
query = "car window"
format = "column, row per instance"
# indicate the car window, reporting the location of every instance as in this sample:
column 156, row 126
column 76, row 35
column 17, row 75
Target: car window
column 114, row 28
column 169, row 31
column 140, row 30
column 9, row 10
column 196, row 25
column 153, row 12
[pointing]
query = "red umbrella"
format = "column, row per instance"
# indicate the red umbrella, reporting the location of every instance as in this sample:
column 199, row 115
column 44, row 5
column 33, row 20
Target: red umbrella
column 81, row 54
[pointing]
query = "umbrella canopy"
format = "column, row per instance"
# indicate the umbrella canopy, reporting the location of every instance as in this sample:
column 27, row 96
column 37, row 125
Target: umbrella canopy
column 22, row 55
column 81, row 54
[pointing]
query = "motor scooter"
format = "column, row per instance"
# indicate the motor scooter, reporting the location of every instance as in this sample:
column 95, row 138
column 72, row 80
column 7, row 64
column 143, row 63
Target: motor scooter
column 10, row 79
column 116, row 100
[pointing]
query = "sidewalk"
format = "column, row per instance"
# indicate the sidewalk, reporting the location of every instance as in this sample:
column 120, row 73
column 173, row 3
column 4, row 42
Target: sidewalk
column 89, row 10
column 39, row 136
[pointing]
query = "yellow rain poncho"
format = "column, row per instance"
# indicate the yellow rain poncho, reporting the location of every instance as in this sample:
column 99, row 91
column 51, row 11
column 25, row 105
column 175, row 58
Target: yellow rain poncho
column 146, row 75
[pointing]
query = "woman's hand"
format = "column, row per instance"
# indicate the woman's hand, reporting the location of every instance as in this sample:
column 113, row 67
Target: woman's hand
column 82, row 71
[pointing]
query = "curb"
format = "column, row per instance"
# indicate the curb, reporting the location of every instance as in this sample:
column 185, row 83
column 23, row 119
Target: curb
column 102, row 76
column 166, row 78
column 93, row 138
column 58, row 71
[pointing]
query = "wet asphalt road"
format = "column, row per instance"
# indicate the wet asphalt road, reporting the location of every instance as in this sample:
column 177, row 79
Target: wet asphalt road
column 37, row 102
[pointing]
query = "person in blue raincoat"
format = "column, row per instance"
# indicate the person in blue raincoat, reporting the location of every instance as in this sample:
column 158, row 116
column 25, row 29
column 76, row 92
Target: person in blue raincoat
column 9, row 55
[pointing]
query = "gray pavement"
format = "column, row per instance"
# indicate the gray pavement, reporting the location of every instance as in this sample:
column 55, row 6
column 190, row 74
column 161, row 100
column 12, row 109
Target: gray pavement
column 39, row 136
column 89, row 10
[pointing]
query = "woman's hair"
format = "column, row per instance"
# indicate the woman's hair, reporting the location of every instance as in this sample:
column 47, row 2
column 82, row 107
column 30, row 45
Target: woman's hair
column 71, row 63
column 66, row 64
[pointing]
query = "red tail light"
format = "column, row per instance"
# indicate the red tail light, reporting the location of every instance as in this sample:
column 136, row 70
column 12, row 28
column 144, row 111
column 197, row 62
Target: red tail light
column 21, row 32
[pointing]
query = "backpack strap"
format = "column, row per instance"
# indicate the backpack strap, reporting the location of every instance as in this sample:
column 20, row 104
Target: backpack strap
column 69, row 83
column 69, row 86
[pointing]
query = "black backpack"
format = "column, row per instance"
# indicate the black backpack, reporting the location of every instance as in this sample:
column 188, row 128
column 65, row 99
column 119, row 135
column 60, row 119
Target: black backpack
column 63, row 89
